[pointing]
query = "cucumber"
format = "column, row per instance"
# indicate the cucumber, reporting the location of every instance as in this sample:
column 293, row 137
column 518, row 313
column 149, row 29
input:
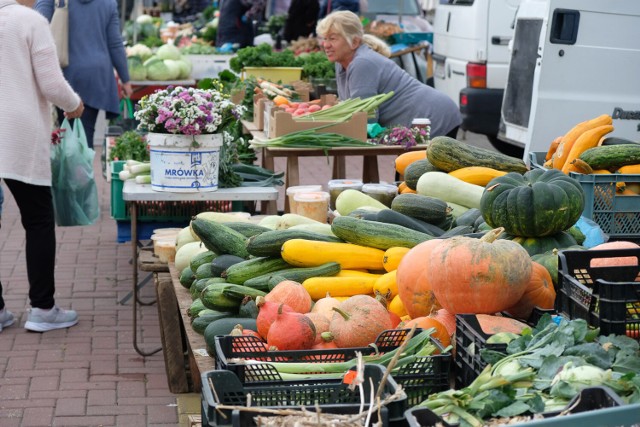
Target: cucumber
column 247, row 229
column 469, row 217
column 200, row 323
column 425, row 208
column 376, row 234
column 224, row 327
column 204, row 271
column 187, row 277
column 240, row 292
column 201, row 258
column 214, row 298
column 221, row 263
column 414, row 171
column 198, row 286
column 364, row 213
column 612, row 157
column 196, row 307
column 219, row 238
column 243, row 271
column 390, row 216
column 297, row 274
column 268, row 244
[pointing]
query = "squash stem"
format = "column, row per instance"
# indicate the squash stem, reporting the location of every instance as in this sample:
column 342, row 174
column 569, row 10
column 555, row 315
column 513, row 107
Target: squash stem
column 344, row 315
column 492, row 235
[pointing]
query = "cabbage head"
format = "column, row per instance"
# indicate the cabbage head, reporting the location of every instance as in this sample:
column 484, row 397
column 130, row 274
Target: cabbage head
column 157, row 69
column 168, row 51
column 140, row 50
column 173, row 67
column 137, row 71
column 144, row 19
column 185, row 68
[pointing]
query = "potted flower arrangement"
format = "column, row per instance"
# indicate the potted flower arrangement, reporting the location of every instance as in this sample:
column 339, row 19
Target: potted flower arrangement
column 185, row 128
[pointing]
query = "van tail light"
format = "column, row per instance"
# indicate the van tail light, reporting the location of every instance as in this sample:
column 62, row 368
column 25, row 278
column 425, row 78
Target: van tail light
column 463, row 100
column 476, row 75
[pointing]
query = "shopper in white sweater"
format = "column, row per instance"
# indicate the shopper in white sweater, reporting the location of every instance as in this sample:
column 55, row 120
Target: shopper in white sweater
column 31, row 80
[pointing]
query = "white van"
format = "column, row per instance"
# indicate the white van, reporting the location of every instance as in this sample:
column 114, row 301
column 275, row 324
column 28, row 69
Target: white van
column 471, row 58
column 572, row 60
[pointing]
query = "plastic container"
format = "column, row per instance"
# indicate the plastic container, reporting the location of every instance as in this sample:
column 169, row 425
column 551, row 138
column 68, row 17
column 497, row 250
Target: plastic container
column 606, row 297
column 300, row 188
column 224, row 387
column 618, row 215
column 247, row 419
column 337, row 186
column 384, row 193
column 418, row 379
column 593, row 406
column 422, row 124
column 312, row 205
column 275, row 74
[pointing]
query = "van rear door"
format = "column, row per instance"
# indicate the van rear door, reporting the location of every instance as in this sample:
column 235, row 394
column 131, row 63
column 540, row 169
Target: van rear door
column 588, row 66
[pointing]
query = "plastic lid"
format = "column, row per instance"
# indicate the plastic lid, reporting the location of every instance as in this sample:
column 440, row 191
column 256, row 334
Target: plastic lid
column 421, row 122
column 304, row 188
column 380, row 189
column 345, row 183
column 315, row 196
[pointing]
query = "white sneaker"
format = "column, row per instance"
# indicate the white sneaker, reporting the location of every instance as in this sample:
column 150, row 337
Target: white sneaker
column 6, row 318
column 40, row 320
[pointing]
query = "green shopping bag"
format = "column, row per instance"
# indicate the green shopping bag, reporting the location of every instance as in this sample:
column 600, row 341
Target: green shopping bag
column 73, row 186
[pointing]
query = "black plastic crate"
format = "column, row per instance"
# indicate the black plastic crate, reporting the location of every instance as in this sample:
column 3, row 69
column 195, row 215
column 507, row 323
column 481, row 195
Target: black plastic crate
column 469, row 341
column 221, row 387
column 606, row 297
column 593, row 407
column 247, row 419
column 420, row 378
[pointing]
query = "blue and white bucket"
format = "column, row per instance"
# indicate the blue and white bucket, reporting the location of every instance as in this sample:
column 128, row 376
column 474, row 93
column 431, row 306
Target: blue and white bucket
column 184, row 163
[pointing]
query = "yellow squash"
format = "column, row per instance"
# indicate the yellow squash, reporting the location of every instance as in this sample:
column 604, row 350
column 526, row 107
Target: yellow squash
column 396, row 306
column 339, row 286
column 392, row 257
column 405, row 159
column 386, row 285
column 588, row 139
column 311, row 253
column 564, row 148
column 478, row 175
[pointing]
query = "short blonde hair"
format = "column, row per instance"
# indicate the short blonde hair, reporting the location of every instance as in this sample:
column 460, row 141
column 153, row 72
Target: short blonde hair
column 343, row 22
column 377, row 44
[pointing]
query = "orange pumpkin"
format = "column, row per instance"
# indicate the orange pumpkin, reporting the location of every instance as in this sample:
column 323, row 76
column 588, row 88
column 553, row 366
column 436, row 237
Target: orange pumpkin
column 325, row 306
column 321, row 323
column 491, row 325
column 539, row 293
column 447, row 319
column 358, row 321
column 483, row 275
column 292, row 294
column 615, row 261
column 426, row 322
column 414, row 289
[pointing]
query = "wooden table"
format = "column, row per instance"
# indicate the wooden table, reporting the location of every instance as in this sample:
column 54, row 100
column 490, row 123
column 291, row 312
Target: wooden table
column 135, row 193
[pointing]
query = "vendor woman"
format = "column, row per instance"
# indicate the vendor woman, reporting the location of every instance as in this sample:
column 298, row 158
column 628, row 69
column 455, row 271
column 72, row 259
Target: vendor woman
column 362, row 72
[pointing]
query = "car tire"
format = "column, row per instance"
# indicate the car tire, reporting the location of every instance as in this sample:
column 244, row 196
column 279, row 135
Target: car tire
column 505, row 147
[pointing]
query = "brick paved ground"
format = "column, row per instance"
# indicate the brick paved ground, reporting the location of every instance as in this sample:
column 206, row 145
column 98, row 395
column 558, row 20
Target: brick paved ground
column 90, row 375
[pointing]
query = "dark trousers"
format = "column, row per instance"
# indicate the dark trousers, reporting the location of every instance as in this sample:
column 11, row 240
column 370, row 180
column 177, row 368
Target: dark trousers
column 88, row 118
column 454, row 132
column 36, row 212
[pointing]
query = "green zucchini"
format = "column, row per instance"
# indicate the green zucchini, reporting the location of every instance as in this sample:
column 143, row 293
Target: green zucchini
column 616, row 140
column 425, row 208
column 376, row 234
column 458, row 231
column 200, row 323
column 246, row 228
column 269, row 243
column 198, row 286
column 469, row 217
column 390, row 216
column 248, row 308
column 612, row 157
column 224, row 327
column 201, row 258
column 187, row 277
column 414, row 171
column 239, row 292
column 204, row 271
column 297, row 274
column 364, row 213
column 219, row 238
column 214, row 298
column 245, row 270
column 221, row 263
column 196, row 307
column 449, row 154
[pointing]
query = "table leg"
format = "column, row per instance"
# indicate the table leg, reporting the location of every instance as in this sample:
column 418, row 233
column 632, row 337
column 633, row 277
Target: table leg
column 292, row 177
column 370, row 169
column 268, row 207
column 133, row 210
column 339, row 168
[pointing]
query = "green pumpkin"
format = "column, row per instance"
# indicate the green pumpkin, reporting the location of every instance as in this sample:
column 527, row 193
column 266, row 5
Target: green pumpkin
column 538, row 245
column 549, row 260
column 536, row 204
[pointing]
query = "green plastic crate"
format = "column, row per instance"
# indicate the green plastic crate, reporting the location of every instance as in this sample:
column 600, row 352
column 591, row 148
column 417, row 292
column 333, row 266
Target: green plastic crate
column 176, row 211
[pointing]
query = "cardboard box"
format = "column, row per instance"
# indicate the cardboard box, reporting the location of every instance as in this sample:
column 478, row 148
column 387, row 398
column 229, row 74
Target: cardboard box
column 258, row 110
column 208, row 66
column 278, row 123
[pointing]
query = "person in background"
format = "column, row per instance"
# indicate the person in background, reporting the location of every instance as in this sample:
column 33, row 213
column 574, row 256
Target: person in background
column 95, row 49
column 278, row 7
column 302, row 18
column 328, row 6
column 235, row 24
column 361, row 72
column 32, row 79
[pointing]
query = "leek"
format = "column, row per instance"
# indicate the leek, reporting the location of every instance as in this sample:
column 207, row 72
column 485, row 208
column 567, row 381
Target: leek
column 343, row 111
column 140, row 169
column 143, row 179
column 310, row 139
